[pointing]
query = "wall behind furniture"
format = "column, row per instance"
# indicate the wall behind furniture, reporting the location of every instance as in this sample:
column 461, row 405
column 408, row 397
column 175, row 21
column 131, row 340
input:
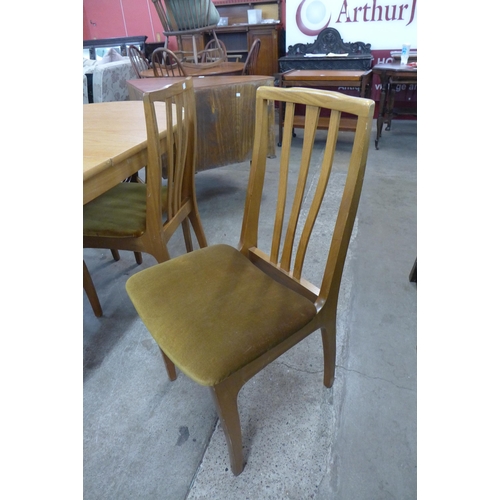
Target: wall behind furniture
column 118, row 18
column 385, row 24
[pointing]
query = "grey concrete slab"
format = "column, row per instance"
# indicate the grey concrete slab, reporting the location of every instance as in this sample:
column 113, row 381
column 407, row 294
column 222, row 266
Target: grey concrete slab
column 375, row 449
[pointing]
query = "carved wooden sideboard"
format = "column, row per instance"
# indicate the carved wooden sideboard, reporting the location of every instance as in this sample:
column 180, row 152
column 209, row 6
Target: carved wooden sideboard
column 327, row 63
column 328, row 51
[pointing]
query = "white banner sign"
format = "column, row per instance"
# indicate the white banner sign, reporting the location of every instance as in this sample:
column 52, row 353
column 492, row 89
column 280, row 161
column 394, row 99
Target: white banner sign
column 384, row 24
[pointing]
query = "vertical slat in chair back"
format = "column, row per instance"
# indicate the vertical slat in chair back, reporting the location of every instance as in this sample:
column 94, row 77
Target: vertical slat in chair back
column 294, row 221
column 173, row 153
column 160, row 9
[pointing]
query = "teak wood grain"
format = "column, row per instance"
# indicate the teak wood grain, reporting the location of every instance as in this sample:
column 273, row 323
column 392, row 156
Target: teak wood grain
column 225, row 108
column 114, row 144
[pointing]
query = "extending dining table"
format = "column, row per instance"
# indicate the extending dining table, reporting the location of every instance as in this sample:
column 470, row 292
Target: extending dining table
column 226, row 68
column 225, row 111
column 114, row 144
column 114, row 148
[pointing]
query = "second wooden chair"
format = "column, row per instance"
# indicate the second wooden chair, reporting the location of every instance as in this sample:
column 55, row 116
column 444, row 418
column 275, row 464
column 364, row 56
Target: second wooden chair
column 142, row 217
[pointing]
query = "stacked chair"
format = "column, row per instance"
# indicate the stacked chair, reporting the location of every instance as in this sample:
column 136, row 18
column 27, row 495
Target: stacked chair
column 187, row 21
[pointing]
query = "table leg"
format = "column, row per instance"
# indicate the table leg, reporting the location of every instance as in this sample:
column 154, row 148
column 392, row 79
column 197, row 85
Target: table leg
column 365, row 85
column 390, row 106
column 381, row 113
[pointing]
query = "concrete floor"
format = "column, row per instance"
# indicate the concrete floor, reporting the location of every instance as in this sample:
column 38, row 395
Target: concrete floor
column 148, row 438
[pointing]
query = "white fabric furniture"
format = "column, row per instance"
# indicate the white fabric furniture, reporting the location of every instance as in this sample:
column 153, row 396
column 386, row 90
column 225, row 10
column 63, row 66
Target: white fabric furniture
column 109, row 78
column 110, row 81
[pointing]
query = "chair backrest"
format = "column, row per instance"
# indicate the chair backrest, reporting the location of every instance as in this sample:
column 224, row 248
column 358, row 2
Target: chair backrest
column 174, row 153
column 214, row 50
column 284, row 259
column 186, row 15
column 138, row 60
column 166, row 63
column 251, row 62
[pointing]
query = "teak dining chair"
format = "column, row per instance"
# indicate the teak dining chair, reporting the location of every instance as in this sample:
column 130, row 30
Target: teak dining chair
column 138, row 60
column 251, row 61
column 142, row 217
column 221, row 314
column 166, row 63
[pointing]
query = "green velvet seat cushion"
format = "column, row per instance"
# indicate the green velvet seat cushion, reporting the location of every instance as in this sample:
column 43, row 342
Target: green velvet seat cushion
column 212, row 311
column 119, row 212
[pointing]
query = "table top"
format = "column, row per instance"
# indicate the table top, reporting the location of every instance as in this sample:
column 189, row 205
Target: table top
column 225, row 68
column 394, row 68
column 114, row 144
column 324, row 74
column 199, row 82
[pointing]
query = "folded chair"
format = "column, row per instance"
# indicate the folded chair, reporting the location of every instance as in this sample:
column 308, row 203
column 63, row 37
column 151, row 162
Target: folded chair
column 142, row 217
column 221, row 314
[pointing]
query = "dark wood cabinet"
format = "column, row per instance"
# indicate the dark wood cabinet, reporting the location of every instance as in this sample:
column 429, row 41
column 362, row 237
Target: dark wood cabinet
column 267, row 63
column 239, row 35
column 239, row 39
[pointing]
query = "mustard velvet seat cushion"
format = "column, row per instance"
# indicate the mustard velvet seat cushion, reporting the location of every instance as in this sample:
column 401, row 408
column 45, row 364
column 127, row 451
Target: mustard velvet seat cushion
column 212, row 311
column 121, row 211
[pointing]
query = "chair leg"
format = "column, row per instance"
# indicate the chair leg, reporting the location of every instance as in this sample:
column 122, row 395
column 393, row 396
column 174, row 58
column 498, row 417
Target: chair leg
column 194, row 217
column 138, row 257
column 172, row 374
column 329, row 354
column 89, row 288
column 115, row 254
column 225, row 396
column 159, row 251
column 187, row 235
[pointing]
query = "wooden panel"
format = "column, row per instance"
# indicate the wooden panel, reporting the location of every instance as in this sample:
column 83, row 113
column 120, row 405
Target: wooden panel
column 238, row 36
column 226, row 124
column 267, row 62
column 225, row 108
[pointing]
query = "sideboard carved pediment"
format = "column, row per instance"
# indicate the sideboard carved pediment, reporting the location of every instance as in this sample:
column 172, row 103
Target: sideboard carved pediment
column 329, row 41
column 311, row 56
